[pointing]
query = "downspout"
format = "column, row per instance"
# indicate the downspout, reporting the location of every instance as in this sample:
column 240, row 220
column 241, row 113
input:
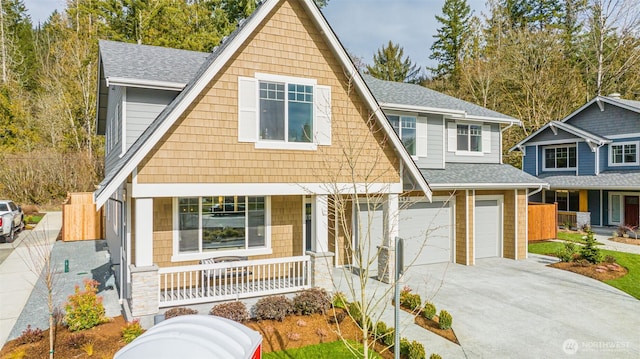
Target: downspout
column 122, row 239
column 501, row 132
column 536, row 191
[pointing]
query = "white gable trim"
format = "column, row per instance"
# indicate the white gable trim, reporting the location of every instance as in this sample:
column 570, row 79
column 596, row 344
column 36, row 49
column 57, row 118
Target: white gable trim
column 232, row 47
column 141, row 83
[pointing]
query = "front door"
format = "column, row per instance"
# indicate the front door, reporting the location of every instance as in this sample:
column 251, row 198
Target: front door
column 631, row 210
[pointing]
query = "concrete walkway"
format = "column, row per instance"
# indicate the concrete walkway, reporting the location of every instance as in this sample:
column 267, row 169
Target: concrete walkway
column 603, row 235
column 503, row 308
column 20, row 271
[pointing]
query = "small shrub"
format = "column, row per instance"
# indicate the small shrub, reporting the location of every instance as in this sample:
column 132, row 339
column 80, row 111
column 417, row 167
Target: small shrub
column 30, row 335
column 84, row 310
column 235, row 311
column 416, row 351
column 339, row 301
column 131, row 330
column 566, row 253
column 404, row 293
column 590, row 252
column 274, row 307
column 380, row 330
column 76, row 340
column 435, row 356
column 405, row 344
column 445, row 320
column 412, row 302
column 389, row 338
column 178, row 311
column 311, row 301
column 610, row 259
column 429, row 310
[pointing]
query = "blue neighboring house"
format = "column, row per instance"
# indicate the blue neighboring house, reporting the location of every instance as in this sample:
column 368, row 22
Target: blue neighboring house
column 591, row 161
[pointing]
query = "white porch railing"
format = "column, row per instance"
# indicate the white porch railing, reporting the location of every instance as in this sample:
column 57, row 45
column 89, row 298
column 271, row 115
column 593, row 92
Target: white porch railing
column 204, row 283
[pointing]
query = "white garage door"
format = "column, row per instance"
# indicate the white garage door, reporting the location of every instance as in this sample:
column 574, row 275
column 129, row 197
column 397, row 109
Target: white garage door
column 488, row 231
column 426, row 229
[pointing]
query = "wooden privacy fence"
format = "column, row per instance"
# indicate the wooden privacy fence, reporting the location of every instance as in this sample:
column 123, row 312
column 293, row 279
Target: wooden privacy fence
column 80, row 220
column 543, row 221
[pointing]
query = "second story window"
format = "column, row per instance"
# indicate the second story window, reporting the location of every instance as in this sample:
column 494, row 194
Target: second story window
column 286, row 112
column 560, row 157
column 623, row 154
column 405, row 127
column 469, row 137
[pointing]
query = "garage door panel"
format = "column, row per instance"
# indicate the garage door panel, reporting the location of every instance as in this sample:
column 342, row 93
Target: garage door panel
column 487, row 228
column 426, row 229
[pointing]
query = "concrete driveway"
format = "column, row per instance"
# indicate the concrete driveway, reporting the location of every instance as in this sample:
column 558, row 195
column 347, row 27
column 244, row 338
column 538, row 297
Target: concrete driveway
column 504, row 309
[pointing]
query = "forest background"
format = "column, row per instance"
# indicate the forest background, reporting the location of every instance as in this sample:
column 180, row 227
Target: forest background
column 535, row 60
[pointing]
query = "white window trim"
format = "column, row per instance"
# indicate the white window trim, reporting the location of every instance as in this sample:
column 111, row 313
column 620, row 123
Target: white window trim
column 624, row 164
column 564, row 169
column 470, row 153
column 179, row 257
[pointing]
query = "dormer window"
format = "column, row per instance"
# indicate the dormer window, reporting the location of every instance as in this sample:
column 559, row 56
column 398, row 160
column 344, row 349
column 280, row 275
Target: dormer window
column 560, row 158
column 623, row 154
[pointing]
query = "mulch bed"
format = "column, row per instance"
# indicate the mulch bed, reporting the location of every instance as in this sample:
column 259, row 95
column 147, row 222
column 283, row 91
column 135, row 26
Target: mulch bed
column 628, row 240
column 432, row 325
column 603, row 271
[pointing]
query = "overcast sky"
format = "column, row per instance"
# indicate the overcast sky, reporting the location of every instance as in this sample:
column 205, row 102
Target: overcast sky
column 363, row 26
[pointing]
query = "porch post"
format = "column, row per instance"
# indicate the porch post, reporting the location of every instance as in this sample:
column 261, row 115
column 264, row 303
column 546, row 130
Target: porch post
column 321, row 258
column 386, row 258
column 144, row 274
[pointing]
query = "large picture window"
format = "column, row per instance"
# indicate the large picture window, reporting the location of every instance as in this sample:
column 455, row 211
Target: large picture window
column 286, row 112
column 405, row 127
column 218, row 223
column 560, row 157
column 469, row 137
column 623, row 154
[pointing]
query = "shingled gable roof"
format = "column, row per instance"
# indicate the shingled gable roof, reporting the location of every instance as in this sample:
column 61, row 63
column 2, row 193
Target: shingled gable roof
column 404, row 96
column 600, row 100
column 214, row 62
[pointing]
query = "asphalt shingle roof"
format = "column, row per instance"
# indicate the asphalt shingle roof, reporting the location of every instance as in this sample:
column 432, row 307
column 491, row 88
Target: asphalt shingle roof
column 476, row 175
column 154, row 63
column 415, row 95
column 620, row 179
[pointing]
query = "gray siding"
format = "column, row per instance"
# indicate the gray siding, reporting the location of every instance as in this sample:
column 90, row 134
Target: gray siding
column 143, row 106
column 593, row 200
column 113, row 151
column 548, row 135
column 492, row 157
column 612, row 121
column 435, row 143
column 529, row 160
column 586, row 160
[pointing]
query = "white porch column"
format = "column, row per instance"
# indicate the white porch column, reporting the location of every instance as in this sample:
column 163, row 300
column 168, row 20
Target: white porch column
column 144, row 274
column 386, row 258
column 321, row 258
column 144, row 232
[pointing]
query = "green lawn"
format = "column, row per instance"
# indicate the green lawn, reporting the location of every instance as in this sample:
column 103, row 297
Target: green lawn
column 628, row 283
column 335, row 349
column 33, row 218
column 572, row 237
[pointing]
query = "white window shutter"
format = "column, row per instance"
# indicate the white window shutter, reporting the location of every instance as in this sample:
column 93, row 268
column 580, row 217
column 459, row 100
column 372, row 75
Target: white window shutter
column 452, row 136
column 486, row 138
column 421, row 137
column 247, row 109
column 322, row 114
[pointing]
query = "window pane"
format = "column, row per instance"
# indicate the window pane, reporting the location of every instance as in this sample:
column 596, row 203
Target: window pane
column 223, row 222
column 395, row 123
column 574, row 201
column 408, row 132
column 188, row 224
column 271, row 111
column 572, row 157
column 256, row 221
column 300, row 122
column 550, row 157
column 475, row 139
column 616, row 154
column 463, row 138
column 615, row 208
column 563, row 200
column 630, row 153
column 561, row 157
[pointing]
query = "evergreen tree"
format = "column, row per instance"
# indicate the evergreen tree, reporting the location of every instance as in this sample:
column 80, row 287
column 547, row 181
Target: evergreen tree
column 388, row 64
column 450, row 40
